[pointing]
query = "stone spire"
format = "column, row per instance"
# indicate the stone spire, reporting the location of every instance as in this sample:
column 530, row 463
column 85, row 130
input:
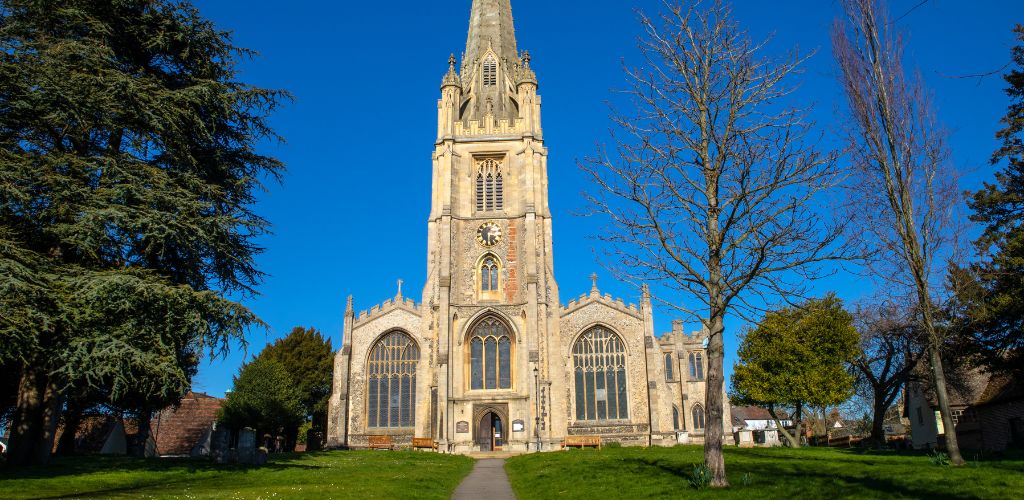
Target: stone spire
column 491, row 27
column 490, row 65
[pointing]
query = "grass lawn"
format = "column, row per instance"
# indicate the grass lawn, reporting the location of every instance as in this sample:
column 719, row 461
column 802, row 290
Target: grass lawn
column 760, row 473
column 352, row 474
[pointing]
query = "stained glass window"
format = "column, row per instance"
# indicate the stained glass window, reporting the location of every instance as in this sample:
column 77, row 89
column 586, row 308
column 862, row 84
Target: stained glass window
column 391, row 382
column 696, row 366
column 668, row 366
column 491, row 355
column 599, row 362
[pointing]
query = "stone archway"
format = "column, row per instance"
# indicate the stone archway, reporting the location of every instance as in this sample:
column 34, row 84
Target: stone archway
column 490, row 425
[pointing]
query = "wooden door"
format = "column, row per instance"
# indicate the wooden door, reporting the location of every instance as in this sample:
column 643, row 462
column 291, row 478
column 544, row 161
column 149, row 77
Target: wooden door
column 485, row 432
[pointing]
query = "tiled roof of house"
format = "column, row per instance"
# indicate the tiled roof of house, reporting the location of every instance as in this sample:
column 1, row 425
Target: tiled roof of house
column 1001, row 388
column 178, row 429
column 755, row 413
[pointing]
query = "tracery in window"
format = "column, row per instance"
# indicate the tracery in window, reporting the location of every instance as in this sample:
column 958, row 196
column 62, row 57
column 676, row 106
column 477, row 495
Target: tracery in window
column 490, row 186
column 599, row 362
column 490, row 72
column 668, row 367
column 696, row 366
column 698, row 417
column 391, row 380
column 490, row 355
column 489, row 275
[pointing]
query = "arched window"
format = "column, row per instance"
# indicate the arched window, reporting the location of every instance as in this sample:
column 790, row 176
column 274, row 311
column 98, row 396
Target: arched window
column 391, row 379
column 696, row 366
column 599, row 361
column 675, row 417
column 698, row 417
column 489, row 275
column 490, row 350
column 668, row 367
column 490, row 186
column 490, row 72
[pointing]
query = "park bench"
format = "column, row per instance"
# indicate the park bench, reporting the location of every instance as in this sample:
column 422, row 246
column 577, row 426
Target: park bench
column 380, row 443
column 581, row 442
column 424, row 443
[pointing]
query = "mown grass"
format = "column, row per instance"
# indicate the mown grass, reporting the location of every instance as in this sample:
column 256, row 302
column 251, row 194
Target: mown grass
column 761, row 473
column 352, row 474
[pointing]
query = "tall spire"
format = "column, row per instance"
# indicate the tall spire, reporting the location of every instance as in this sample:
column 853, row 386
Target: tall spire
column 491, row 26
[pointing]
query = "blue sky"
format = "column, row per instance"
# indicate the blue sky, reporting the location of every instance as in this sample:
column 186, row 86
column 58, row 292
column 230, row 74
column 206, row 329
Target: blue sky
column 350, row 216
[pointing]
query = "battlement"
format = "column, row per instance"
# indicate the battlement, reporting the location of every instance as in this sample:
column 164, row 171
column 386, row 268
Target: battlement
column 678, row 337
column 487, row 126
column 387, row 306
column 606, row 299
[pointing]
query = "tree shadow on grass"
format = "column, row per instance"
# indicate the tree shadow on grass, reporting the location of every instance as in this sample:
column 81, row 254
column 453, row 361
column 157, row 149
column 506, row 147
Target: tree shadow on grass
column 83, row 465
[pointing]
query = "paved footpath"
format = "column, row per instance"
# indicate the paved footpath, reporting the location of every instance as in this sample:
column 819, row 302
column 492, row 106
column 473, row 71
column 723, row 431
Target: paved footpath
column 487, row 481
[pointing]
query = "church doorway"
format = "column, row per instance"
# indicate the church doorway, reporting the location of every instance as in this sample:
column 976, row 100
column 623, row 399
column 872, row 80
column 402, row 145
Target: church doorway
column 490, row 432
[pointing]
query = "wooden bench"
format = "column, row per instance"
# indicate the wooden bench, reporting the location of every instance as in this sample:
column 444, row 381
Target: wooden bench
column 380, row 443
column 424, row 443
column 581, row 442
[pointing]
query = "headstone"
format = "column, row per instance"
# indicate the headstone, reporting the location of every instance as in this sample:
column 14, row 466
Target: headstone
column 745, row 439
column 202, row 447
column 247, row 446
column 682, row 437
column 261, row 457
column 150, row 447
column 219, row 444
column 117, row 441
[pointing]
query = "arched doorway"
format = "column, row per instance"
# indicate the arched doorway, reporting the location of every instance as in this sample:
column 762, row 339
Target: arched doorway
column 490, row 434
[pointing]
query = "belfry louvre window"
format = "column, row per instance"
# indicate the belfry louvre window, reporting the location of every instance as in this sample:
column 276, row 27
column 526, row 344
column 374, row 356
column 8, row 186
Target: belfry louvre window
column 490, row 72
column 489, row 275
column 391, row 377
column 490, row 356
column 599, row 363
column 490, row 195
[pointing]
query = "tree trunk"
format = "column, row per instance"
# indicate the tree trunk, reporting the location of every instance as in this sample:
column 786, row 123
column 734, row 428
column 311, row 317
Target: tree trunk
column 939, row 381
column 69, row 435
column 138, row 447
column 35, row 419
column 713, row 427
column 878, row 419
column 793, row 442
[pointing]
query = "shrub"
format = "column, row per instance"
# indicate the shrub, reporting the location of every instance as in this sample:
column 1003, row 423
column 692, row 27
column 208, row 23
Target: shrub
column 700, row 478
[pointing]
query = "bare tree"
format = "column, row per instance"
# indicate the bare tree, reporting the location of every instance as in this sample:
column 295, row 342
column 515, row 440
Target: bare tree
column 890, row 351
column 711, row 187
column 903, row 189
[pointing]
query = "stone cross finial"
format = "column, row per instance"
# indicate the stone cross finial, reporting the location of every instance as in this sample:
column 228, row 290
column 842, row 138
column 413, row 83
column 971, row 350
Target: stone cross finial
column 526, row 58
column 593, row 287
column 400, row 288
column 451, row 60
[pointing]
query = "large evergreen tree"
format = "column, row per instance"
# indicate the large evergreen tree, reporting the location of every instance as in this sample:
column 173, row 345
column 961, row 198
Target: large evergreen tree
column 128, row 175
column 991, row 292
column 795, row 358
column 308, row 359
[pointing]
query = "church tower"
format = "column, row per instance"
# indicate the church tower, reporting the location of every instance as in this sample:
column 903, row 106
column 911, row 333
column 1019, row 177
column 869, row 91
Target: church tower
column 490, row 287
column 489, row 359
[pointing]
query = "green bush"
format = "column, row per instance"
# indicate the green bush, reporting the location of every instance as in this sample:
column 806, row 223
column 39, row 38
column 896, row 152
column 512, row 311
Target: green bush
column 938, row 458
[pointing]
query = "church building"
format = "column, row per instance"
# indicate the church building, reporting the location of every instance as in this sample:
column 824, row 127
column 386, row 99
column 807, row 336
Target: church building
column 491, row 359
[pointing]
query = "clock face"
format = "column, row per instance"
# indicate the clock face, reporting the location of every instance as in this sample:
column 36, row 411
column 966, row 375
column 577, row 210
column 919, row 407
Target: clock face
column 489, row 234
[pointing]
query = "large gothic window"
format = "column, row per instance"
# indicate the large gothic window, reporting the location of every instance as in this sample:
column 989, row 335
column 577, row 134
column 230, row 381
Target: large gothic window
column 489, row 275
column 490, row 195
column 391, row 379
column 599, row 362
column 698, row 417
column 490, row 352
column 490, row 72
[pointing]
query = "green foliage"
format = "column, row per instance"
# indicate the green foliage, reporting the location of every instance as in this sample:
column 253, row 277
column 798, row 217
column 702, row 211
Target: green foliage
column 990, row 293
column 798, row 355
column 129, row 174
column 938, row 458
column 308, row 358
column 700, row 477
column 264, row 398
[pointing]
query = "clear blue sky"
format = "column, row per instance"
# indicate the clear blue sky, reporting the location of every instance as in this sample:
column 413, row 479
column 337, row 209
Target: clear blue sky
column 350, row 217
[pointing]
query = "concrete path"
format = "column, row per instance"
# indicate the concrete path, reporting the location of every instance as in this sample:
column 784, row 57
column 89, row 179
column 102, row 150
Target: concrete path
column 487, row 481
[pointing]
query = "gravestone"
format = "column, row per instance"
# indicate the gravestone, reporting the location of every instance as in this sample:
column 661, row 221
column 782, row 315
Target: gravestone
column 247, row 446
column 219, row 445
column 117, row 441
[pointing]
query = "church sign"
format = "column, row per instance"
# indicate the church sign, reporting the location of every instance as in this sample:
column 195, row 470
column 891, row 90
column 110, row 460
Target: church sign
column 462, row 427
column 517, row 426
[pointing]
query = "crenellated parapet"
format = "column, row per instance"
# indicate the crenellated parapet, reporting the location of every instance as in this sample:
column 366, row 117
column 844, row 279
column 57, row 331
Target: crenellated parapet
column 595, row 297
column 490, row 126
column 381, row 310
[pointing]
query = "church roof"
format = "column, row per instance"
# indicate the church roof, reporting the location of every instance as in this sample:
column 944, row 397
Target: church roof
column 491, row 26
